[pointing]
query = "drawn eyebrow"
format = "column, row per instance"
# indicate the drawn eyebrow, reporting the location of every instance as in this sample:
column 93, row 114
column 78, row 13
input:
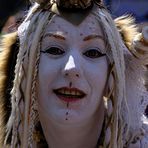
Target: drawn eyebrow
column 93, row 36
column 89, row 37
column 55, row 35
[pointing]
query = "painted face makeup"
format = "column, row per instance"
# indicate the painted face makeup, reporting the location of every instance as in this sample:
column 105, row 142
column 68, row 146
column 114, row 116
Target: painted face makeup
column 72, row 71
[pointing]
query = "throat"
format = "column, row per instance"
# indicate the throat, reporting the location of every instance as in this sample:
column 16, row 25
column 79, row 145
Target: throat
column 74, row 138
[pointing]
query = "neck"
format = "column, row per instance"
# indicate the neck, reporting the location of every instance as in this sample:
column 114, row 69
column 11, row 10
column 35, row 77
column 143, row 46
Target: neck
column 85, row 134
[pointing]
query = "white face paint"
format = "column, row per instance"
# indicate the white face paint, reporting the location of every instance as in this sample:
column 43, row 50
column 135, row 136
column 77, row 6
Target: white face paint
column 71, row 61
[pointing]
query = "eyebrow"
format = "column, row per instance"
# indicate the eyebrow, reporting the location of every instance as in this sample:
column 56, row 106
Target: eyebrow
column 55, row 35
column 89, row 37
column 93, row 36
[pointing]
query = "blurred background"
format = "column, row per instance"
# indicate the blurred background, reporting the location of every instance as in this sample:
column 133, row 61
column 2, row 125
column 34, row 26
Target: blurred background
column 12, row 13
column 136, row 8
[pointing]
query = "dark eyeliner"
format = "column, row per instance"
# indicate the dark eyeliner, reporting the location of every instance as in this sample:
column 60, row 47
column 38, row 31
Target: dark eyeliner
column 53, row 50
column 93, row 53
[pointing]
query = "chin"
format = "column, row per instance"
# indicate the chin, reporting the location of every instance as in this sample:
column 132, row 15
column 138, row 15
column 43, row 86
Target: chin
column 69, row 116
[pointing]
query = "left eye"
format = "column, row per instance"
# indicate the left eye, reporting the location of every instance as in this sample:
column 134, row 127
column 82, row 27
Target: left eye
column 93, row 53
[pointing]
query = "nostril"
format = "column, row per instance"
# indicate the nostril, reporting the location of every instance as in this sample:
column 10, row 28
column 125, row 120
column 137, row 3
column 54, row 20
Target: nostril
column 66, row 74
column 77, row 75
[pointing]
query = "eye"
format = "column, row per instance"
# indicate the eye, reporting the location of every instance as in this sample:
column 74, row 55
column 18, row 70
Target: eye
column 93, row 53
column 54, row 51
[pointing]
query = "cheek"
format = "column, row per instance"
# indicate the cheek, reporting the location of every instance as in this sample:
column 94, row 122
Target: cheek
column 48, row 70
column 98, row 73
column 46, row 76
column 41, row 92
column 101, row 79
column 97, row 77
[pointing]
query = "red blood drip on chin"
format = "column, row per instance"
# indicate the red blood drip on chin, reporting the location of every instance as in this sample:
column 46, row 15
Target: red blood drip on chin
column 67, row 112
column 66, row 115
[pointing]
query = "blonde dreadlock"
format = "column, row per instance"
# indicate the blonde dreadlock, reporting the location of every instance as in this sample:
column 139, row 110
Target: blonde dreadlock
column 118, row 96
column 22, row 118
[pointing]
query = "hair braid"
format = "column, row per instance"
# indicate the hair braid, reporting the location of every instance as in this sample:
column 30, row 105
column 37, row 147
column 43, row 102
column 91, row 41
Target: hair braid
column 33, row 55
column 33, row 104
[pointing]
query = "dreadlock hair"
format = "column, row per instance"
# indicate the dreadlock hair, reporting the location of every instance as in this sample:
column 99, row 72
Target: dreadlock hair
column 23, row 93
column 24, row 115
column 116, row 98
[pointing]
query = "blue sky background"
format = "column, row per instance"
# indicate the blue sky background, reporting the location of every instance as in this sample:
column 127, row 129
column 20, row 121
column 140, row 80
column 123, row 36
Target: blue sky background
column 136, row 8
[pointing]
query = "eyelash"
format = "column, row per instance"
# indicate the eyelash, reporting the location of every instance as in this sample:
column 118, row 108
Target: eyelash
column 93, row 53
column 54, row 51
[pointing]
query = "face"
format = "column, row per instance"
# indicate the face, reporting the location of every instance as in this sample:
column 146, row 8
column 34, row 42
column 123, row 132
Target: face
column 72, row 71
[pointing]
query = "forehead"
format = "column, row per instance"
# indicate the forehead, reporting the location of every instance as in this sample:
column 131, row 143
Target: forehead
column 90, row 25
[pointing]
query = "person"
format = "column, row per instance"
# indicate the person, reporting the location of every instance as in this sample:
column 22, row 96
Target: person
column 72, row 77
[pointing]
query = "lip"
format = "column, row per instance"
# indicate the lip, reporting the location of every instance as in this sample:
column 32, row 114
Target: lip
column 69, row 94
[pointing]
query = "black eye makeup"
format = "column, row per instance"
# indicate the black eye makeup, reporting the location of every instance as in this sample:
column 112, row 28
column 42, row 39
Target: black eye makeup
column 93, row 53
column 54, row 50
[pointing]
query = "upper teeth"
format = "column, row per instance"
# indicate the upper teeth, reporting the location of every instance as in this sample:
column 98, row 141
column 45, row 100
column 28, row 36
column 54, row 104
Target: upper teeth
column 69, row 92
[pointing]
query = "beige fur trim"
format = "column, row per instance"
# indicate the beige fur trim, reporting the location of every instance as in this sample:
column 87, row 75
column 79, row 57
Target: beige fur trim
column 127, row 29
column 5, row 57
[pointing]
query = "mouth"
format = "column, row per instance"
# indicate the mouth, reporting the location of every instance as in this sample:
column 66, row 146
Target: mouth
column 69, row 94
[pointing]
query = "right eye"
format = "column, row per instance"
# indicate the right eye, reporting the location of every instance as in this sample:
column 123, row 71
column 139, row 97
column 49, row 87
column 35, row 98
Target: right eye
column 54, row 51
column 93, row 53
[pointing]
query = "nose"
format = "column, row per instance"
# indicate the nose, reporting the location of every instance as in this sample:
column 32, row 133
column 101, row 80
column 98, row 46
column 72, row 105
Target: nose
column 72, row 68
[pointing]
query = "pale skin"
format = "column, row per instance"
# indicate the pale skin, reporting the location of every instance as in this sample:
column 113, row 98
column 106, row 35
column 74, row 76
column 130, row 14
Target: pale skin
column 79, row 65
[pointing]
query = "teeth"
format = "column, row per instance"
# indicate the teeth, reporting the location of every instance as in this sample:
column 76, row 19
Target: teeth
column 73, row 92
column 78, row 93
column 62, row 91
column 66, row 92
column 69, row 92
